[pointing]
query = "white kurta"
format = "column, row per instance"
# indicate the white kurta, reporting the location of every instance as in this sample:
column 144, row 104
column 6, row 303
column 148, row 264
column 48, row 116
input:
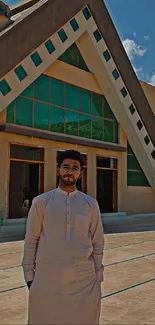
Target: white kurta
column 63, row 254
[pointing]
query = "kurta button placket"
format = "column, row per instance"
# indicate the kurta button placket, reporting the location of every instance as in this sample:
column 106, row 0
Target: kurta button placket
column 68, row 219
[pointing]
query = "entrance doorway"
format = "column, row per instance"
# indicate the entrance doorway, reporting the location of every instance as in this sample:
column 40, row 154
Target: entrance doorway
column 26, row 180
column 107, row 184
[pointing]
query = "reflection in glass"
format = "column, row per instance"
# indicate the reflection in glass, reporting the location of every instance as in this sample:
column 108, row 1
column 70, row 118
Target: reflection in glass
column 41, row 88
column 97, row 129
column 41, row 115
column 71, row 126
column 57, row 92
column 57, row 118
column 84, row 126
column 24, row 111
column 72, row 97
column 97, row 105
column 108, row 131
column 85, row 101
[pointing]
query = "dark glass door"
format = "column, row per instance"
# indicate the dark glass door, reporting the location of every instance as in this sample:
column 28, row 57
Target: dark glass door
column 24, row 186
column 105, row 190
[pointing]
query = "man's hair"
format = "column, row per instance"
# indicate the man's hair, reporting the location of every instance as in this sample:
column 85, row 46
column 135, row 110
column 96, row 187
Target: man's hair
column 70, row 154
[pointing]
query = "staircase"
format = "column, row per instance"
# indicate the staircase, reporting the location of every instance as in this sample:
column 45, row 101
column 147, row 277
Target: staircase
column 121, row 222
column 14, row 229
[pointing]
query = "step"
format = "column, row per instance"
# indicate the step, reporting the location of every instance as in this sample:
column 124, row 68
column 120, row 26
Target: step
column 17, row 221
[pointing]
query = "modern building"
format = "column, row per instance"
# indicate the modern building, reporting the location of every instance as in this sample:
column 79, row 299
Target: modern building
column 66, row 82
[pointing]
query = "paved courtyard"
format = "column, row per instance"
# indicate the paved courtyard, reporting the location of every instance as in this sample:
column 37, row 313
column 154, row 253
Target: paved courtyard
column 128, row 292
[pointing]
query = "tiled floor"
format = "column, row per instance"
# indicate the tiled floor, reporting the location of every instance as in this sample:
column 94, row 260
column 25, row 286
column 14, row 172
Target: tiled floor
column 128, row 292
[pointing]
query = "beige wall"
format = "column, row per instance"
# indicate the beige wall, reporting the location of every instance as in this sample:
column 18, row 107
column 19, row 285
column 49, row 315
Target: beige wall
column 149, row 93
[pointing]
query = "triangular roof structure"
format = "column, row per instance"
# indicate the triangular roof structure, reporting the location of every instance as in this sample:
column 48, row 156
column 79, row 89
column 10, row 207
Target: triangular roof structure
column 45, row 29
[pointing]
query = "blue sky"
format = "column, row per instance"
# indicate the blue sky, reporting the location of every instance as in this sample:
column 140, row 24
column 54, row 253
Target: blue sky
column 135, row 24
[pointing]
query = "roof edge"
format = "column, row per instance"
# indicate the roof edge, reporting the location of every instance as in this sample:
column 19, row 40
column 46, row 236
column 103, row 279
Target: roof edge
column 22, row 6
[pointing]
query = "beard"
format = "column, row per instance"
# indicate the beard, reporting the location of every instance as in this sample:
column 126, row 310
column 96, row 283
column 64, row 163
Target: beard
column 67, row 181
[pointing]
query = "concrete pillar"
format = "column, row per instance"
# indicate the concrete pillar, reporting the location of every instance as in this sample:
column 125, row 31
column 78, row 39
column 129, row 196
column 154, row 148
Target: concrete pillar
column 4, row 177
column 122, row 173
column 50, row 169
column 91, row 174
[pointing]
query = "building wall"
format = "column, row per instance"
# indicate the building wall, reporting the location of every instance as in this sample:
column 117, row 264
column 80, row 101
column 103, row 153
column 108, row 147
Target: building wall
column 150, row 94
column 130, row 199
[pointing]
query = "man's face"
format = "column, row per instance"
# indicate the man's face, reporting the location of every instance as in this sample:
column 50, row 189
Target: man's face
column 69, row 172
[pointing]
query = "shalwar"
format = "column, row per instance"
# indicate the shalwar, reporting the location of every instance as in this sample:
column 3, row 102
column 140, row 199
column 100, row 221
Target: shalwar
column 63, row 254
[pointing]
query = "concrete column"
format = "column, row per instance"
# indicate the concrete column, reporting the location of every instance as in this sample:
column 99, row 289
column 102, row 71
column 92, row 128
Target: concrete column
column 91, row 174
column 50, row 169
column 122, row 173
column 4, row 177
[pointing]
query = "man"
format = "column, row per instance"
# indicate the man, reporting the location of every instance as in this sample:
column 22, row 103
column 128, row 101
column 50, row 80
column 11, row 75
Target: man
column 63, row 251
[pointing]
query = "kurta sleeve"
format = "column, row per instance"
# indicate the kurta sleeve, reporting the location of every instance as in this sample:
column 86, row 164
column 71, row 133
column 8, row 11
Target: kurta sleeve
column 33, row 232
column 97, row 233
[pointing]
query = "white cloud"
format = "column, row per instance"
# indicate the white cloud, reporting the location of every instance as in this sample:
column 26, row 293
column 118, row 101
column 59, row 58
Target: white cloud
column 134, row 34
column 133, row 49
column 139, row 71
column 146, row 38
column 152, row 80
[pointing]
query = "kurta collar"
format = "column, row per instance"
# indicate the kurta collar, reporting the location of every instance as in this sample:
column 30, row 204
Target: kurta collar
column 65, row 193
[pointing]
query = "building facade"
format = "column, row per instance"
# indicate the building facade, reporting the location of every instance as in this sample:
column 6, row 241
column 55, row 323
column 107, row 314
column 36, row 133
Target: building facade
column 66, row 90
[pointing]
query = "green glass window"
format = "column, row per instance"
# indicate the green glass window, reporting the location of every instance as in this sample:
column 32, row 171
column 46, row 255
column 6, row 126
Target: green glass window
column 108, row 131
column 41, row 116
column 10, row 113
column 137, row 178
column 97, row 105
column 20, row 72
column 57, row 119
column 28, row 92
column 97, row 129
column 107, row 110
column 115, row 74
column 4, row 87
column 41, row 89
column 132, row 109
column 35, row 57
column 85, row 101
column 133, row 162
column 116, row 131
column 62, row 35
column 135, row 174
column 54, row 105
column 74, row 24
column 97, row 36
column 71, row 125
column 24, row 111
column 124, row 92
column 49, row 46
column 106, row 55
column 86, row 13
column 147, row 140
column 57, row 92
column 84, row 126
column 153, row 154
column 129, row 150
column 73, row 57
column 72, row 97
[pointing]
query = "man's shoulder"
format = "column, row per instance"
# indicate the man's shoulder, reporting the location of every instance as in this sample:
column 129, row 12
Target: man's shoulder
column 90, row 199
column 44, row 196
